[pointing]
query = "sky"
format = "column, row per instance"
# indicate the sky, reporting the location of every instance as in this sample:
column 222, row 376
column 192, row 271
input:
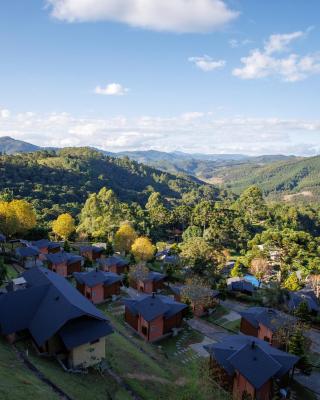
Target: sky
column 208, row 76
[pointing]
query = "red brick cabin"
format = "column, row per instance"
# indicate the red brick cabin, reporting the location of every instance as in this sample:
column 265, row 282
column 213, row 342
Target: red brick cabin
column 63, row 263
column 115, row 264
column 91, row 253
column 97, row 286
column 46, row 246
column 247, row 365
column 153, row 283
column 263, row 323
column 198, row 310
column 154, row 316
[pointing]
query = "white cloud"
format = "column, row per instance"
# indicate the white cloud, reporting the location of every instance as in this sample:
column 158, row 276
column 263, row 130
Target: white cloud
column 112, row 89
column 206, row 63
column 180, row 16
column 4, row 113
column 234, row 43
column 213, row 134
column 290, row 68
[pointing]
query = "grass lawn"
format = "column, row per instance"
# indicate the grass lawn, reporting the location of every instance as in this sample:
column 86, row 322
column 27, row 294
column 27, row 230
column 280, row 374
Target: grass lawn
column 12, row 273
column 17, row 382
column 217, row 314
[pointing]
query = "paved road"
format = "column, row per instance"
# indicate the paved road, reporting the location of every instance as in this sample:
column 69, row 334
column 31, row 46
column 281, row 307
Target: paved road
column 210, row 330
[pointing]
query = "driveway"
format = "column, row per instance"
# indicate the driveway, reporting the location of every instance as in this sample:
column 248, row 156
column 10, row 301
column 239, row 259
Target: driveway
column 234, row 305
column 216, row 333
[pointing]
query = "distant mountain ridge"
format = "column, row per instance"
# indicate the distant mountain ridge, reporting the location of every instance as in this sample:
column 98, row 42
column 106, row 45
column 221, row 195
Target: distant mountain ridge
column 8, row 145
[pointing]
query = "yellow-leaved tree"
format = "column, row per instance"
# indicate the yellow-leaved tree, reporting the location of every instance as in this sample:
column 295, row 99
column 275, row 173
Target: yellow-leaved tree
column 142, row 250
column 16, row 217
column 63, row 226
column 124, row 238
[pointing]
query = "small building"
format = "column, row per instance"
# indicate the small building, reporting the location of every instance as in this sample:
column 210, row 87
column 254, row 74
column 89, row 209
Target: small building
column 115, row 264
column 97, row 286
column 91, row 253
column 63, row 263
column 45, row 246
column 241, row 285
column 198, row 309
column 264, row 323
column 245, row 365
column 154, row 282
column 58, row 319
column 16, row 284
column 154, row 316
column 304, row 296
column 28, row 256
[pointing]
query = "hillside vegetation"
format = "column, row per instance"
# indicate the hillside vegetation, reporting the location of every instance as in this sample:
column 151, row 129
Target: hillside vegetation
column 286, row 180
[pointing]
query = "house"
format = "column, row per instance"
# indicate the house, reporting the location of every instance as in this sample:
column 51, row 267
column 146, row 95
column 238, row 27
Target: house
column 28, row 256
column 91, row 253
column 115, row 264
column 264, row 323
column 59, row 320
column 45, row 246
column 304, row 296
column 152, row 283
column 97, row 285
column 248, row 366
column 153, row 316
column 198, row 309
column 63, row 263
column 239, row 284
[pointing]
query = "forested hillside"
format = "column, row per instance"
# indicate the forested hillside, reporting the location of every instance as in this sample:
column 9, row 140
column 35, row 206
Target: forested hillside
column 57, row 181
column 286, row 180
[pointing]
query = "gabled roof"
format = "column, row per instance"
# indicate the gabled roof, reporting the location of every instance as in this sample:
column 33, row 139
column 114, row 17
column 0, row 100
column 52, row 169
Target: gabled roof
column 45, row 243
column 94, row 278
column 93, row 249
column 240, row 284
column 269, row 317
column 62, row 256
column 155, row 276
column 24, row 252
column 113, row 260
column 45, row 306
column 253, row 358
column 305, row 295
column 151, row 307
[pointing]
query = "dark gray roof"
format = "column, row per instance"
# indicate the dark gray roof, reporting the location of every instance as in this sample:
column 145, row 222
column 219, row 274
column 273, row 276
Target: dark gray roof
column 94, row 278
column 24, row 252
column 2, row 238
column 113, row 260
column 269, row 317
column 305, row 295
column 93, row 249
column 62, row 256
column 253, row 358
column 153, row 306
column 155, row 276
column 240, row 285
column 45, row 306
column 42, row 243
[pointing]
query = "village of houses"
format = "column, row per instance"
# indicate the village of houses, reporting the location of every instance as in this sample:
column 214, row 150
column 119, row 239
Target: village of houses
column 74, row 321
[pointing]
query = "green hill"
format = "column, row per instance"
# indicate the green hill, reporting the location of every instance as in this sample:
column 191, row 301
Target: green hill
column 13, row 146
column 297, row 179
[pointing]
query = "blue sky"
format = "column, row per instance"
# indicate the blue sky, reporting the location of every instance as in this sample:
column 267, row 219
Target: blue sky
column 193, row 75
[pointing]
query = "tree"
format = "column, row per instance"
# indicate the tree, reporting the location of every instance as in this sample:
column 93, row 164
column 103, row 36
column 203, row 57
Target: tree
column 315, row 284
column 260, row 268
column 197, row 292
column 159, row 215
column 191, row 232
column 292, row 282
column 142, row 250
column 138, row 273
column 252, row 205
column 302, row 311
column 16, row 216
column 3, row 272
column 63, row 226
column 124, row 238
column 236, row 270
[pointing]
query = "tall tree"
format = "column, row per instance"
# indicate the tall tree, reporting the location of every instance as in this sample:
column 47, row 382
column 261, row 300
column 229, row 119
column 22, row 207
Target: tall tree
column 260, row 268
column 142, row 250
column 124, row 238
column 63, row 226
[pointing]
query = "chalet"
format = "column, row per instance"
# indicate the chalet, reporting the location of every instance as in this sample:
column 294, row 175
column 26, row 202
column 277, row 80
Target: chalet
column 304, row 296
column 249, row 367
column 63, row 263
column 97, row 286
column 115, row 264
column 198, row 309
column 264, row 323
column 154, row 316
column 152, row 283
column 91, row 253
column 58, row 319
column 238, row 284
column 46, row 246
column 28, row 256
